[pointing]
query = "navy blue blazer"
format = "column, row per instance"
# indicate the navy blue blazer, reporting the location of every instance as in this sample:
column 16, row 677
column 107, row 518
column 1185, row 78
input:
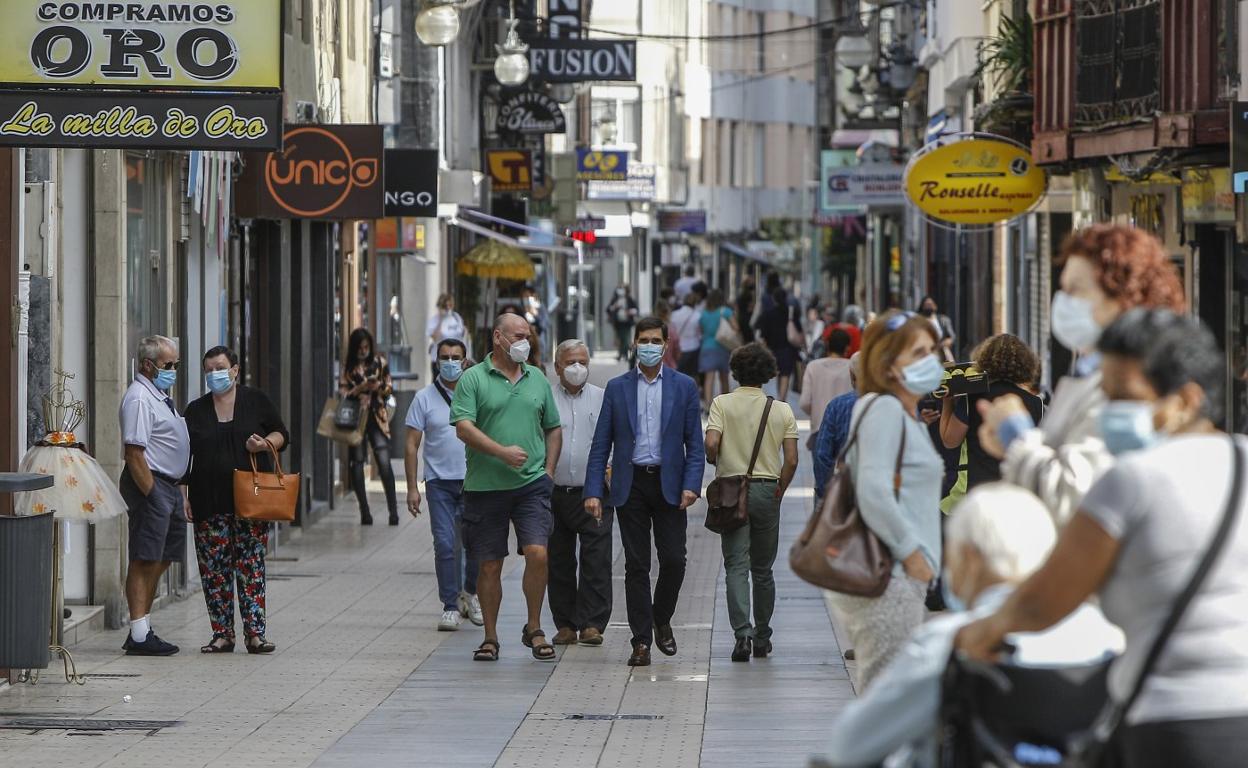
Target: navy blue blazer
column 684, row 456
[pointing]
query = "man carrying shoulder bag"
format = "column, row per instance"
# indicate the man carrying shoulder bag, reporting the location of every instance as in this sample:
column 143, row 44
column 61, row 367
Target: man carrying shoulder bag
column 752, row 441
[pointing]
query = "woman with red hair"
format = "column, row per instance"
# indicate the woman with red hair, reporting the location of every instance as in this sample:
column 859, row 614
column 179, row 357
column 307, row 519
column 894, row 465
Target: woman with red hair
column 1107, row 270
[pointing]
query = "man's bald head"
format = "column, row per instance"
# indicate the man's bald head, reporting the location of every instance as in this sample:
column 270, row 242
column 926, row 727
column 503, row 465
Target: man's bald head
column 509, row 323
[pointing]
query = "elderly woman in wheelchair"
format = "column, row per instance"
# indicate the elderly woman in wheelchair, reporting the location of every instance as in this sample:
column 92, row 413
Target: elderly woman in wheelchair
column 925, row 710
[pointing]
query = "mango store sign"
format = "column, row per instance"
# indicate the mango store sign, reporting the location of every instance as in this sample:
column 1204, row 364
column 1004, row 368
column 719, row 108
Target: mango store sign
column 976, row 181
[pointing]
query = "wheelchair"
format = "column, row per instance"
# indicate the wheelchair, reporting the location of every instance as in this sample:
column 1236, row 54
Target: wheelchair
column 1008, row 716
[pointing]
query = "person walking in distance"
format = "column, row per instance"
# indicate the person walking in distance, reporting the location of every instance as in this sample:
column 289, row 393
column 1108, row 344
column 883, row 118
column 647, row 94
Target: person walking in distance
column 429, row 422
column 366, row 375
column 651, row 427
column 583, row 605
column 623, row 313
column 157, row 455
column 505, row 413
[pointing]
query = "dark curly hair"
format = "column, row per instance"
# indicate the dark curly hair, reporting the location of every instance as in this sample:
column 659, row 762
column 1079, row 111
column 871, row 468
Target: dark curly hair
column 753, row 365
column 1132, row 266
column 1173, row 350
column 1005, row 357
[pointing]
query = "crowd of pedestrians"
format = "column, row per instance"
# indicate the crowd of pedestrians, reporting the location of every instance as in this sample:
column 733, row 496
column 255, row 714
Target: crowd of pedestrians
column 1096, row 529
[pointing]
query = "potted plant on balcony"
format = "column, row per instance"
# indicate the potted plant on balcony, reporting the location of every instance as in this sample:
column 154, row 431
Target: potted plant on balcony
column 1007, row 59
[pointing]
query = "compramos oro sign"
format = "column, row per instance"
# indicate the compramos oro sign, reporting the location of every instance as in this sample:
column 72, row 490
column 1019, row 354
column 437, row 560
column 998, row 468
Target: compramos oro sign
column 222, row 46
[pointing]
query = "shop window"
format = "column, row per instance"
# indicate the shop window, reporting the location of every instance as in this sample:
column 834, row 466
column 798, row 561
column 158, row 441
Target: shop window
column 146, row 248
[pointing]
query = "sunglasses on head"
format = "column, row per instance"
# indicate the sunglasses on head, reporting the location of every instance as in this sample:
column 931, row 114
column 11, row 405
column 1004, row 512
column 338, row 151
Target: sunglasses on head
column 898, row 320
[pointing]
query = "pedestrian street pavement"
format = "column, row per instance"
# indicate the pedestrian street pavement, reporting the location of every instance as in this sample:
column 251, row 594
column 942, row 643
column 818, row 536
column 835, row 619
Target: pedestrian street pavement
column 362, row 678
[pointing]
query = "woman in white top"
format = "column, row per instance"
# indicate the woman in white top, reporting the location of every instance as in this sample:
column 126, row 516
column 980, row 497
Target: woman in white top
column 899, row 367
column 445, row 323
column 1135, row 543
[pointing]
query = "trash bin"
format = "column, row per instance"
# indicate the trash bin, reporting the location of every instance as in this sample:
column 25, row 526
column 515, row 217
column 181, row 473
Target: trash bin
column 405, row 389
column 25, row 591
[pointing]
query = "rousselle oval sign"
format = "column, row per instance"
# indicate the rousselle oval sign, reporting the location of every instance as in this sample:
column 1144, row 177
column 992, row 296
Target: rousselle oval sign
column 975, row 181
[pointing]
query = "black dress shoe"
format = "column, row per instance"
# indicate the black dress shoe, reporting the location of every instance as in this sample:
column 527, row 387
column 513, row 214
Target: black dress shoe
column 741, row 652
column 761, row 650
column 664, row 640
column 152, row 646
column 640, row 657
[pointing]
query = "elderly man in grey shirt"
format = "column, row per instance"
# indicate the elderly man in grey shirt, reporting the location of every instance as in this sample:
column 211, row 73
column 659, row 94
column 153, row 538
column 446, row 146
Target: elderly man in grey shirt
column 995, row 539
column 157, row 455
column 582, row 603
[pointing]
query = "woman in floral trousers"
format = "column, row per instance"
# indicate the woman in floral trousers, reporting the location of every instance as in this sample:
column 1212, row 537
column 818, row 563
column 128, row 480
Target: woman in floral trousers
column 227, row 426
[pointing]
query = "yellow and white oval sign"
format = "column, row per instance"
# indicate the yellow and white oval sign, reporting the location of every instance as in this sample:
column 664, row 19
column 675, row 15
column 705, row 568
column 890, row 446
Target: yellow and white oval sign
column 975, row 181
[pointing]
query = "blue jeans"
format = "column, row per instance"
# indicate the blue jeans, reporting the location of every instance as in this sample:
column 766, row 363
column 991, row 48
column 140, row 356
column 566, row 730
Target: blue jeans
column 456, row 570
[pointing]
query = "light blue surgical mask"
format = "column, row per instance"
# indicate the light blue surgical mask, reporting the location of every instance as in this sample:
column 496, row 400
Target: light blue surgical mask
column 1127, row 425
column 165, row 380
column 450, row 370
column 952, row 601
column 922, row 377
column 218, row 382
column 1073, row 323
column 649, row 355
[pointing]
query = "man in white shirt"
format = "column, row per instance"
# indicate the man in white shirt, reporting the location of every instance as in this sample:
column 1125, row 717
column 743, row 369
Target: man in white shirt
column 583, row 606
column 685, row 284
column 157, row 456
column 429, row 421
column 996, row 537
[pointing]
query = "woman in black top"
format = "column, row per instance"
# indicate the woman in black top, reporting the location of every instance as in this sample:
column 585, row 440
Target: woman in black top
column 366, row 375
column 1013, row 369
column 773, row 329
column 227, row 426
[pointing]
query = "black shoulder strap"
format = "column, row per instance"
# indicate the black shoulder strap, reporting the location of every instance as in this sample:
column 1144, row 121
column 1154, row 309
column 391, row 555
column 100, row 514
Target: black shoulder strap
column 1207, row 562
column 442, row 391
column 758, row 439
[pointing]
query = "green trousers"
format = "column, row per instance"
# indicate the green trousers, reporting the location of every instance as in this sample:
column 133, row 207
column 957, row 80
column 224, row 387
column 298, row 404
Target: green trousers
column 749, row 554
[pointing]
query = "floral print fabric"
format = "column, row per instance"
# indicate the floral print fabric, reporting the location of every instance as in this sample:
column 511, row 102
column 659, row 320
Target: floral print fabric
column 231, row 553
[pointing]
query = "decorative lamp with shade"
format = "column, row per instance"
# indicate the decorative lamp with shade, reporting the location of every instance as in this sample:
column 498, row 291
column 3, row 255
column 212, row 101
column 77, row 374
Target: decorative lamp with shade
column 854, row 51
column 438, row 22
column 511, row 67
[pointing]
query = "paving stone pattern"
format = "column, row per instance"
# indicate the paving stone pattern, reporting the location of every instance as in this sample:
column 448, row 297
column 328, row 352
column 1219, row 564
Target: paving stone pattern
column 362, row 677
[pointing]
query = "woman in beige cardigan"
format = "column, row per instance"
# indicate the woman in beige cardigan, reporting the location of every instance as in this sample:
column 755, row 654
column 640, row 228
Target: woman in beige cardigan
column 1108, row 270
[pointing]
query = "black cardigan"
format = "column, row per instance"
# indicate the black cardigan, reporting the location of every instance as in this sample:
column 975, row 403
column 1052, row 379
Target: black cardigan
column 211, row 477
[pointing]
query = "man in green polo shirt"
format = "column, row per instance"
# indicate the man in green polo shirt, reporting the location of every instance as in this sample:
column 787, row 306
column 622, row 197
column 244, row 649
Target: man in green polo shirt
column 505, row 413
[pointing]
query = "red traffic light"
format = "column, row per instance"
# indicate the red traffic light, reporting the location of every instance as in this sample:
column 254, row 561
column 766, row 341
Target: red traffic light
column 586, row 236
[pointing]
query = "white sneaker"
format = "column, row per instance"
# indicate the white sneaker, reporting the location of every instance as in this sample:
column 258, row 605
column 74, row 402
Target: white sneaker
column 470, row 608
column 450, row 621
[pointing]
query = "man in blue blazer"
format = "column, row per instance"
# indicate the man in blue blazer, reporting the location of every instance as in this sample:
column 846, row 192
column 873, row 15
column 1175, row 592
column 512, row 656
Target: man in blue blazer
column 651, row 427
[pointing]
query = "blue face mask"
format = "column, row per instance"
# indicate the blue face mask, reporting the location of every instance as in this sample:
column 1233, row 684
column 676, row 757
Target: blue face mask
column 165, row 380
column 218, row 382
column 649, row 355
column 952, row 601
column 922, row 377
column 450, row 370
column 1127, row 425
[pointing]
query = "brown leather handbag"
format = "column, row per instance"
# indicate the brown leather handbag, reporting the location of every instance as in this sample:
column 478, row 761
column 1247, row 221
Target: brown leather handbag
column 266, row 496
column 838, row 551
column 728, row 498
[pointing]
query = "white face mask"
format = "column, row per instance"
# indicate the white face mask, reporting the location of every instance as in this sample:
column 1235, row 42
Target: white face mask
column 576, row 374
column 519, row 351
column 1073, row 324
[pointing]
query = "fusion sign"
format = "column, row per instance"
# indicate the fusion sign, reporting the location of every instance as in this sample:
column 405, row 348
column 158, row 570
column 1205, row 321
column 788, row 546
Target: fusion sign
column 975, row 181
column 222, row 46
column 579, row 60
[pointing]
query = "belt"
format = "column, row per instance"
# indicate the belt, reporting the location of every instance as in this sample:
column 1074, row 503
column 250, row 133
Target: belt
column 649, row 469
column 571, row 490
column 166, row 478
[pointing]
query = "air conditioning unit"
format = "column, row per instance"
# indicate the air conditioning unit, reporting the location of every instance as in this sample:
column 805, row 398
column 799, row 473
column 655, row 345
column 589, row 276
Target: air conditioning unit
column 305, row 112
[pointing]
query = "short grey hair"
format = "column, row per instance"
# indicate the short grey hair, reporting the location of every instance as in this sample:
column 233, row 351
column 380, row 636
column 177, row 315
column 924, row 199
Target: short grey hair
column 569, row 345
column 151, row 346
column 1010, row 527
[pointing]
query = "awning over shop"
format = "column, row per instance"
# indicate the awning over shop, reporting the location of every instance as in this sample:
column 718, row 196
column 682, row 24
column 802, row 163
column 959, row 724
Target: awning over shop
column 507, row 240
column 745, row 253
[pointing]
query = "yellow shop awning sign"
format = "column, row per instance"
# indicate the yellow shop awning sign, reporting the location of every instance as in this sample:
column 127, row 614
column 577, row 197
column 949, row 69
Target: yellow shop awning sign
column 975, row 181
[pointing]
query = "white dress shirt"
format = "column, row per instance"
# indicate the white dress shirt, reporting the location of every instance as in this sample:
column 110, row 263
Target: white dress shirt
column 150, row 421
column 649, row 448
column 579, row 416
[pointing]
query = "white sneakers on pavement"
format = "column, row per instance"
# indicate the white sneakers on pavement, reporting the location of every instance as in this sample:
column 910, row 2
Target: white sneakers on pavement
column 450, row 621
column 470, row 608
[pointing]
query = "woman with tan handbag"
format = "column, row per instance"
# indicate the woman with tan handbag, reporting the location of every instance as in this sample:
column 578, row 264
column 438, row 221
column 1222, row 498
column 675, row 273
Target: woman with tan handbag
column 896, row 473
column 230, row 427
column 746, row 436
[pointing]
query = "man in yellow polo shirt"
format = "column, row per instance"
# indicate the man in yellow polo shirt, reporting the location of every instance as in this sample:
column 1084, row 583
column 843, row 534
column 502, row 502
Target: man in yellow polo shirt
column 505, row 413
column 750, row 552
